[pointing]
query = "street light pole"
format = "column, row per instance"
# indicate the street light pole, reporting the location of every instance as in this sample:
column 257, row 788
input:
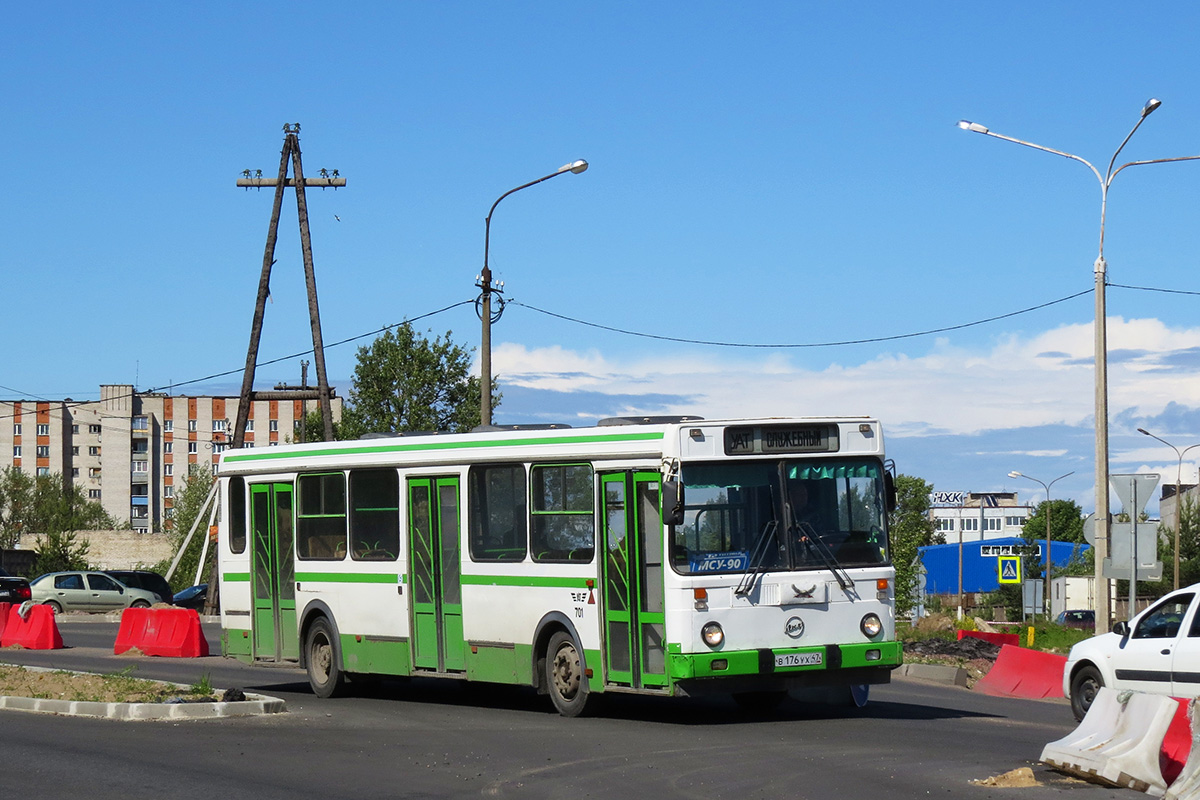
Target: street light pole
column 1103, row 615
column 1046, row 486
column 1178, row 507
column 483, row 305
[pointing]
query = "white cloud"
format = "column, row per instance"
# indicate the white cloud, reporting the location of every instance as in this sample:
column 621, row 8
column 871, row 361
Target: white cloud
column 1044, row 379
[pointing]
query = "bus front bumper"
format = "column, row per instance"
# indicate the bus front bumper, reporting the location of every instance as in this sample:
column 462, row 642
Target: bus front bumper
column 867, row 663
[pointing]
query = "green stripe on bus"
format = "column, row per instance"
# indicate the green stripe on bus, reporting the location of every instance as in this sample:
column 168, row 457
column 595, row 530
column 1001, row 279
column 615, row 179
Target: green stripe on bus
column 524, row 580
column 237, row 577
column 348, row 577
column 263, row 454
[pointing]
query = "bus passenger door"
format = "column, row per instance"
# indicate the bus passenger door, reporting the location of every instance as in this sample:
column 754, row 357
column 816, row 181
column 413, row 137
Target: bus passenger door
column 634, row 618
column 274, row 576
column 435, row 564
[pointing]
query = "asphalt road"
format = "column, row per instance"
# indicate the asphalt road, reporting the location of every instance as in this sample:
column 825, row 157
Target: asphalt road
column 440, row 739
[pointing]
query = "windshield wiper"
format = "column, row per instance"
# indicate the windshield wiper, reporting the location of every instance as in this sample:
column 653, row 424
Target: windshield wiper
column 810, row 537
column 755, row 567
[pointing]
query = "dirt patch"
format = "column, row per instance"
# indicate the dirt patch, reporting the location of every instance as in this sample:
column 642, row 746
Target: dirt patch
column 1019, row 778
column 973, row 655
column 116, row 688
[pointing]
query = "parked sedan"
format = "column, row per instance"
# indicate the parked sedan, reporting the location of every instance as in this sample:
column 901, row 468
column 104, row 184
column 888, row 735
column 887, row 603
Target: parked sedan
column 1157, row 651
column 87, row 591
column 1084, row 618
column 192, row 597
column 13, row 589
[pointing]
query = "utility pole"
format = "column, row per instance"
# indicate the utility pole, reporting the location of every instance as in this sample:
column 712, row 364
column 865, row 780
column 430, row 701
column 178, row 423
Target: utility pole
column 290, row 152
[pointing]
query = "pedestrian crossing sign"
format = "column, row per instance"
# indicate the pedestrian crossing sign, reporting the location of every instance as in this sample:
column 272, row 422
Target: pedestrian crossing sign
column 1010, row 569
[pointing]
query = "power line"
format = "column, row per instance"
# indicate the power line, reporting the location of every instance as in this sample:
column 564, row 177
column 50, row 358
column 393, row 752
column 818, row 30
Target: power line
column 805, row 344
column 1153, row 289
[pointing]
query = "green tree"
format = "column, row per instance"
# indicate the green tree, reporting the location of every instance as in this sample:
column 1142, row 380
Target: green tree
column 1066, row 525
column 406, row 382
column 911, row 527
column 314, row 428
column 16, row 505
column 60, row 550
column 189, row 502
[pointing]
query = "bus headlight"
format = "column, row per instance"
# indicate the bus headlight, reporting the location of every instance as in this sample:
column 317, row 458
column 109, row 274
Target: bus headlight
column 871, row 626
column 712, row 634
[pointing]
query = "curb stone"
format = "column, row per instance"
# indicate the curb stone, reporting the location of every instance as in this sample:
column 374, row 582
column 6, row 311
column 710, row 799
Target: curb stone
column 935, row 673
column 253, row 705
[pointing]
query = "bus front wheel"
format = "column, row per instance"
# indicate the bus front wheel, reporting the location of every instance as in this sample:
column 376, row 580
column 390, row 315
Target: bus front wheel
column 324, row 674
column 564, row 675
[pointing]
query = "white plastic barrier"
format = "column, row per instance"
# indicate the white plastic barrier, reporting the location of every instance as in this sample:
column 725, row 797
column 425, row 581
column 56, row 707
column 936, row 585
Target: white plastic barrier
column 1187, row 785
column 1118, row 741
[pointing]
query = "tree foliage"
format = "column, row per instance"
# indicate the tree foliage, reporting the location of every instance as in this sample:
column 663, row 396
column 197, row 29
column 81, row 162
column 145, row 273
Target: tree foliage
column 50, row 510
column 1066, row 522
column 911, row 528
column 406, row 382
column 188, row 505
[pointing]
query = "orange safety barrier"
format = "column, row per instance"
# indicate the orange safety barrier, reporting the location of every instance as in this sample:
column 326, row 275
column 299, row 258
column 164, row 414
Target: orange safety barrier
column 994, row 638
column 3, row 617
column 1019, row 672
column 38, row 631
column 171, row 632
column 1177, row 744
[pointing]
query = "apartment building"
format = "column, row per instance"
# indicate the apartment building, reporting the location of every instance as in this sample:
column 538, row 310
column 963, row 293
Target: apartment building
column 131, row 450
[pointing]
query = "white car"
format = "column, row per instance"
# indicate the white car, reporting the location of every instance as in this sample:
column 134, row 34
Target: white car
column 1158, row 651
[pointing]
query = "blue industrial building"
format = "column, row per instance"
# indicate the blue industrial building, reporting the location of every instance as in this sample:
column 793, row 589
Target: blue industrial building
column 980, row 563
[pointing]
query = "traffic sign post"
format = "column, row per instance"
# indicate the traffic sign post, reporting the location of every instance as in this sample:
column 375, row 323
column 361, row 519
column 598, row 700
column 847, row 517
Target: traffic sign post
column 1009, row 569
column 1133, row 545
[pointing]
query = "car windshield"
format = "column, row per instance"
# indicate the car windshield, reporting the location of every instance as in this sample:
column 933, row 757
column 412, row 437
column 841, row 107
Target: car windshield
column 790, row 514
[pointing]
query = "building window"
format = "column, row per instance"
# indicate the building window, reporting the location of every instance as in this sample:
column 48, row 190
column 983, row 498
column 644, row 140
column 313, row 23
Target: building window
column 43, row 429
column 74, row 472
column 191, row 447
column 168, row 447
column 140, row 424
column 93, row 494
column 74, row 451
column 218, row 447
column 191, row 426
column 168, row 491
column 43, row 471
column 168, row 425
column 945, row 524
column 17, row 429
column 16, row 451
column 1014, row 522
column 93, row 428
column 93, row 450
column 139, row 466
column 220, row 425
column 74, row 430
column 43, row 451
column 93, row 472
column 168, row 513
column 992, row 524
column 274, row 426
column 249, row 425
column 970, row 524
column 168, row 469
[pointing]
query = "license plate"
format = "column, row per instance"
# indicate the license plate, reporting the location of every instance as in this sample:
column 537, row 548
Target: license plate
column 798, row 659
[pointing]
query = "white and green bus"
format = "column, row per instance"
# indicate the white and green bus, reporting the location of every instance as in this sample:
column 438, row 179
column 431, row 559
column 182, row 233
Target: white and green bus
column 664, row 556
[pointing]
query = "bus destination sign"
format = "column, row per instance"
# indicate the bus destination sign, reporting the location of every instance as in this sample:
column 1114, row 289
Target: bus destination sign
column 741, row 441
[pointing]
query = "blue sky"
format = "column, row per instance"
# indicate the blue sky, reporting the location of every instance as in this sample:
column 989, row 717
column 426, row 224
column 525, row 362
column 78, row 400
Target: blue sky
column 770, row 173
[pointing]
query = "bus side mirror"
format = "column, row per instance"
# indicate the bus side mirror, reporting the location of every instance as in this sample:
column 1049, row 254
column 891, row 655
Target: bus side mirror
column 889, row 485
column 672, row 502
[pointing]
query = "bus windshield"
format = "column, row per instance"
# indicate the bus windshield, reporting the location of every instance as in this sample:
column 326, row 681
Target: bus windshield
column 729, row 507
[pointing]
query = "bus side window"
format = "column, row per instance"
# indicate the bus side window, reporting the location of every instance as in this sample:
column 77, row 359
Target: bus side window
column 562, row 513
column 321, row 517
column 236, row 509
column 374, row 514
column 497, row 512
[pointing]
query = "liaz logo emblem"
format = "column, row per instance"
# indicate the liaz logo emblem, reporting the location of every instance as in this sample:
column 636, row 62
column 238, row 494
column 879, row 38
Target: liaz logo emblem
column 794, row 628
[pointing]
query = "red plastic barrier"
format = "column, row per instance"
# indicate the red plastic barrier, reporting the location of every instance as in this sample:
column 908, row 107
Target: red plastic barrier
column 995, row 638
column 3, row 617
column 1176, row 744
column 171, row 632
column 38, row 632
column 1024, row 673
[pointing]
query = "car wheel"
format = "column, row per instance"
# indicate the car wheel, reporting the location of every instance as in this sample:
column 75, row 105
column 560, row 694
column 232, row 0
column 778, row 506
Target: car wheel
column 324, row 674
column 1085, row 685
column 564, row 675
column 140, row 604
column 54, row 606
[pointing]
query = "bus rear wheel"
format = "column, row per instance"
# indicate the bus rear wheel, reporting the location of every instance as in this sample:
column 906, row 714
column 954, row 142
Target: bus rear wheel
column 564, row 675
column 324, row 674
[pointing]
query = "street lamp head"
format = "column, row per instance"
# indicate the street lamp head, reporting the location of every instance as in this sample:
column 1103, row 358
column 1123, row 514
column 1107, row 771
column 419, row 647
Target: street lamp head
column 1151, row 104
column 1015, row 474
column 1143, row 430
column 575, row 166
column 974, row 127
